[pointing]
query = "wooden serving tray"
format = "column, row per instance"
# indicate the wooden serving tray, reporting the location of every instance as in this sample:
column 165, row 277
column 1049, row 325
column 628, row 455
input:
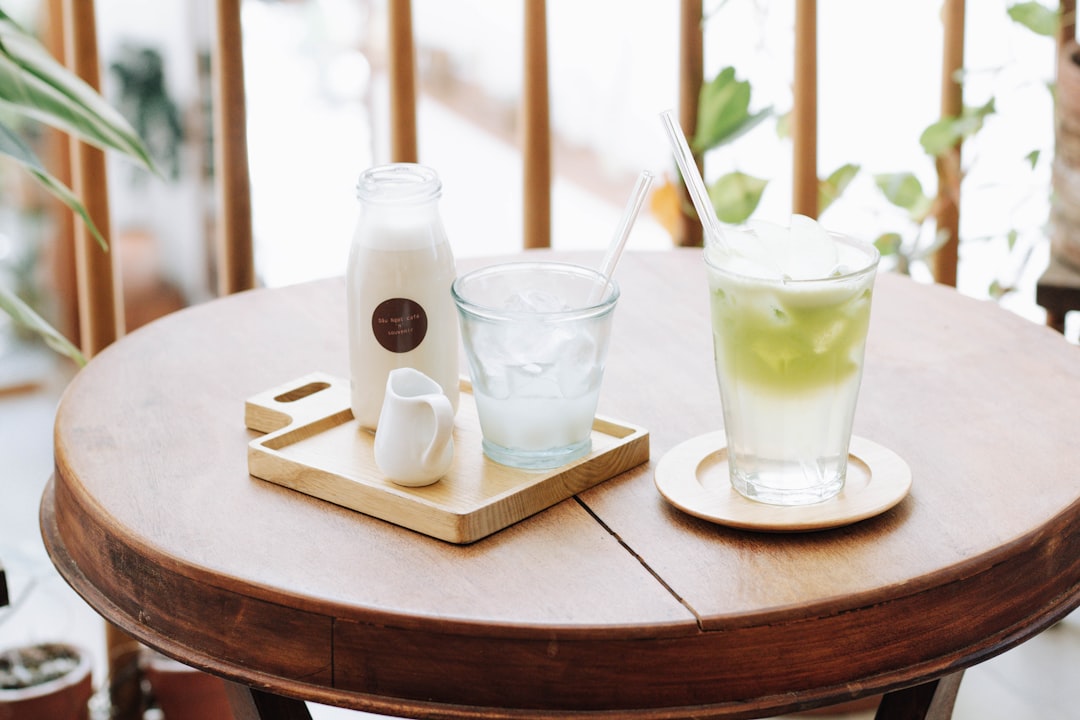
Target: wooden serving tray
column 315, row 446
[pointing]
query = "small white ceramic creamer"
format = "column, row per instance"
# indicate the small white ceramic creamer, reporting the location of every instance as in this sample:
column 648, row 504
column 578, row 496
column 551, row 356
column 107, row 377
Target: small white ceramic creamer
column 414, row 443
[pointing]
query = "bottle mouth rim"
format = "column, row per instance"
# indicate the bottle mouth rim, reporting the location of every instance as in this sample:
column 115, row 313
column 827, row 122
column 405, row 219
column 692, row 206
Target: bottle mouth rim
column 398, row 183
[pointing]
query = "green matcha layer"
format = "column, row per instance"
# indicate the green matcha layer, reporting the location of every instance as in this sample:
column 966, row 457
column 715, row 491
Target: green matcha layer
column 789, row 338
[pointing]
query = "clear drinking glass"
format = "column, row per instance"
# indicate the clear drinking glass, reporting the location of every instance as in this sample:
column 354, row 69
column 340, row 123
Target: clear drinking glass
column 789, row 359
column 536, row 338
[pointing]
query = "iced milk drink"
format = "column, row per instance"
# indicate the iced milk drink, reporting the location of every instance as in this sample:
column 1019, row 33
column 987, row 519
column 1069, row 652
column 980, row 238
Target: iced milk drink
column 790, row 312
column 536, row 337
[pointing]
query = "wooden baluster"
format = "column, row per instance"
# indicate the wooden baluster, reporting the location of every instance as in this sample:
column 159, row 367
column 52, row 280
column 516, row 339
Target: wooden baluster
column 691, row 77
column 536, row 125
column 101, row 319
column 804, row 111
column 61, row 251
column 402, row 72
column 948, row 164
column 1067, row 28
column 236, row 263
column 100, row 310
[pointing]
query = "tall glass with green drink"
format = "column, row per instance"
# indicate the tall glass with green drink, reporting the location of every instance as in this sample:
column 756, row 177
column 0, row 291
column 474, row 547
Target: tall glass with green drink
column 790, row 311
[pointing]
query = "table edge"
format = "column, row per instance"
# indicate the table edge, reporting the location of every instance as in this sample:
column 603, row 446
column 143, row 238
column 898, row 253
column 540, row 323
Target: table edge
column 320, row 686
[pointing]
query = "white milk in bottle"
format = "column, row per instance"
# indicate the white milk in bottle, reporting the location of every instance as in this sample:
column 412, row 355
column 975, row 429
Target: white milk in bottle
column 398, row 282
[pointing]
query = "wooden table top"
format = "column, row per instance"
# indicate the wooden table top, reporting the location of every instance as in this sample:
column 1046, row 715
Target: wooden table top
column 613, row 600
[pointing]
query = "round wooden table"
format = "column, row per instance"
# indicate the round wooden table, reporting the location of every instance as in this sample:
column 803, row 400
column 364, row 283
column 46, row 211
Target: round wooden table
column 611, row 603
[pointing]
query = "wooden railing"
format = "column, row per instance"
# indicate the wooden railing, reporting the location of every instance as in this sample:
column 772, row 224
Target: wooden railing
column 235, row 266
column 805, row 118
column 99, row 306
column 535, row 111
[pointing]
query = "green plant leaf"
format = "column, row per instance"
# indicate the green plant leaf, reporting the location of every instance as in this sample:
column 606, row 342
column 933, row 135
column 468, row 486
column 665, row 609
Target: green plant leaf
column 23, row 314
column 833, row 186
column 905, row 191
column 889, row 243
column 724, row 111
column 1036, row 17
column 13, row 146
column 735, row 196
column 944, row 134
column 33, row 84
column 939, row 136
column 1033, row 158
column 783, row 126
column 997, row 290
column 65, row 195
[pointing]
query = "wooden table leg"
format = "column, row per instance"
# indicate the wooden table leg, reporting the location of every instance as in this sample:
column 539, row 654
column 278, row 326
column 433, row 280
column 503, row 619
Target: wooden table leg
column 929, row 701
column 1055, row 321
column 4, row 599
column 250, row 704
column 125, row 676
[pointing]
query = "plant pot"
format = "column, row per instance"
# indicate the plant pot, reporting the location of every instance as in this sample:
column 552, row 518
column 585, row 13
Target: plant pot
column 64, row 697
column 184, row 693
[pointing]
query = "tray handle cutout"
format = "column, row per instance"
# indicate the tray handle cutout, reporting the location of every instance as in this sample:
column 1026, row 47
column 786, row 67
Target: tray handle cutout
column 301, row 392
column 307, row 398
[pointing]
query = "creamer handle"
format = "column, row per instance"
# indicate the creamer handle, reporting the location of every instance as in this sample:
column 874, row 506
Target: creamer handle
column 444, row 423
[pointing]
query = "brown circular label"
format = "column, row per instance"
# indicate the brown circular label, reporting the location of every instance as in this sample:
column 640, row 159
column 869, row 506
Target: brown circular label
column 399, row 324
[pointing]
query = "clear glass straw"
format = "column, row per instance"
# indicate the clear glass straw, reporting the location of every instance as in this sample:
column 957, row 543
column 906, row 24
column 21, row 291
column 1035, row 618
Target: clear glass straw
column 633, row 207
column 699, row 194
column 622, row 232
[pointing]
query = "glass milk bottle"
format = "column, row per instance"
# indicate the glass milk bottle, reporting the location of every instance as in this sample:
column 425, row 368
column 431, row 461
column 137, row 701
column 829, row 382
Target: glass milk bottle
column 398, row 282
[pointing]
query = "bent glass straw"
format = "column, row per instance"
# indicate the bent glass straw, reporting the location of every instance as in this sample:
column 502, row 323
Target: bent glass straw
column 692, row 176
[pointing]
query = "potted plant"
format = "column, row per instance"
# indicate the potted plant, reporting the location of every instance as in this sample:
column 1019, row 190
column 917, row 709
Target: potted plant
column 35, row 86
column 48, row 681
column 182, row 693
column 724, row 115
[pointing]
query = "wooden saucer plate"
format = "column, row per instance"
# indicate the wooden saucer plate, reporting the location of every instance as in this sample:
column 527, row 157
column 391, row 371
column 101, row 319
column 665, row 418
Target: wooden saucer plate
column 693, row 476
